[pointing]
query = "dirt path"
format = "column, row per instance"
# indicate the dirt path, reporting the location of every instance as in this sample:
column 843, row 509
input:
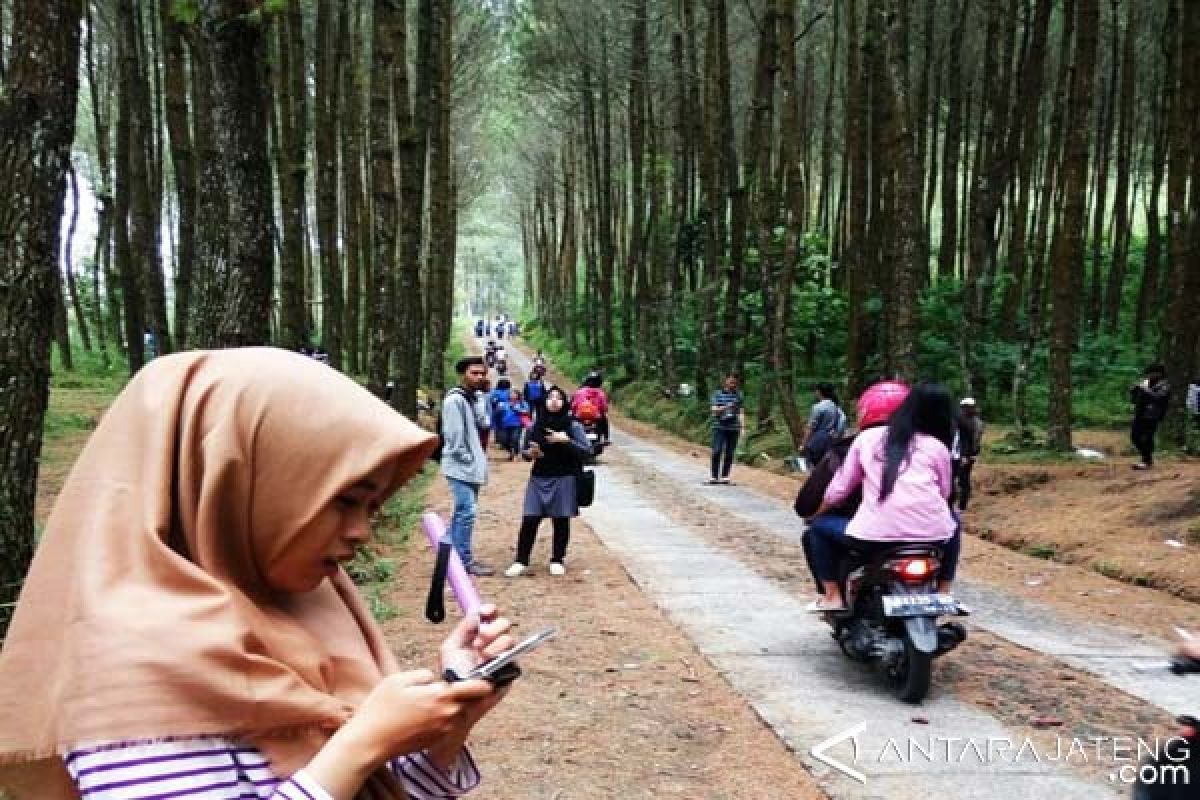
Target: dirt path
column 622, row 704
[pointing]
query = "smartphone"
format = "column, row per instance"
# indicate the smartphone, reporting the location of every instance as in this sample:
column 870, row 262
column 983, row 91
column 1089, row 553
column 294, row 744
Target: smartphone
column 503, row 670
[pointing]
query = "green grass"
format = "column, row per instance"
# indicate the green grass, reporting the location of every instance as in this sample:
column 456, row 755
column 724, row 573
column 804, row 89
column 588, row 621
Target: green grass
column 372, row 572
column 1045, row 551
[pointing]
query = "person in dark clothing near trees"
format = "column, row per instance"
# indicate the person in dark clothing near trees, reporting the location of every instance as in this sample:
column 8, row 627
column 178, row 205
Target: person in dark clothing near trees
column 1149, row 400
column 729, row 417
column 970, row 444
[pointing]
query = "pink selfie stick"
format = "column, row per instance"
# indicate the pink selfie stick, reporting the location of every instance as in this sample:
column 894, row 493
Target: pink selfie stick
column 464, row 588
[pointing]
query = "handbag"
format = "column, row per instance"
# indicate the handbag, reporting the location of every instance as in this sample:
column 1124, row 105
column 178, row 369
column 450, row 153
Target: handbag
column 585, row 488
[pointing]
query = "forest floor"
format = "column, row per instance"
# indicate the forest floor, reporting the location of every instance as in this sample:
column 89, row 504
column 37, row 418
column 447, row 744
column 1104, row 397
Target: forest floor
column 625, row 705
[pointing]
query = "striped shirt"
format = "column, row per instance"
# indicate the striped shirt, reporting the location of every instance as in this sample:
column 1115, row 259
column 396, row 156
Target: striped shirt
column 729, row 420
column 219, row 769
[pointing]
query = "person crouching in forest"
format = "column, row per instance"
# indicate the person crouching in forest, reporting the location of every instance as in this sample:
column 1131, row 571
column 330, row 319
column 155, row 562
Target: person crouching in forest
column 187, row 628
column 557, row 447
column 1149, row 400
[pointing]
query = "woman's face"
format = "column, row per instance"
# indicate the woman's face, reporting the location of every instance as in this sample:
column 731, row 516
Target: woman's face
column 554, row 402
column 331, row 537
column 514, row 396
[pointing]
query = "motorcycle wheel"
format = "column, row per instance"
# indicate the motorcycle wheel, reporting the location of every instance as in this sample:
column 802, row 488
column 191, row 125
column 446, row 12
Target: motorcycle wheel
column 911, row 677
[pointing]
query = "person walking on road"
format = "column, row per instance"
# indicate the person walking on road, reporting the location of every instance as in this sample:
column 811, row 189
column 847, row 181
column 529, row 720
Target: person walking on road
column 728, row 419
column 969, row 444
column 557, row 447
column 1149, row 400
column 464, row 460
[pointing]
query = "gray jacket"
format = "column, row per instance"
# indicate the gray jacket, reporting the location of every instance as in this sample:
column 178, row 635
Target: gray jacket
column 463, row 457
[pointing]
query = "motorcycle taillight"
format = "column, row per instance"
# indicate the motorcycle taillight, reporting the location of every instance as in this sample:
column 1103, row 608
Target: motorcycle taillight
column 918, row 569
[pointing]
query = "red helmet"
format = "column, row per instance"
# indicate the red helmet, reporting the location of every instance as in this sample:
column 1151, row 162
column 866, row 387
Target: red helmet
column 876, row 404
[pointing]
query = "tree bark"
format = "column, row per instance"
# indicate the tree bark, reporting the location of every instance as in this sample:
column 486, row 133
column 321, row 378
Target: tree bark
column 325, row 115
column 291, row 168
column 183, row 163
column 1068, row 236
column 242, row 290
column 41, row 81
column 387, row 34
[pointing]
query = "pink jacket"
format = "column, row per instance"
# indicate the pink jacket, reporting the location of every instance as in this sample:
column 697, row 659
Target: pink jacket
column 916, row 510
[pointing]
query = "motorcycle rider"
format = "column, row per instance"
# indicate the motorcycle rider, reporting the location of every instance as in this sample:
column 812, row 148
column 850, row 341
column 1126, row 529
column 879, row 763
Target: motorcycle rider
column 905, row 474
column 590, row 404
column 874, row 408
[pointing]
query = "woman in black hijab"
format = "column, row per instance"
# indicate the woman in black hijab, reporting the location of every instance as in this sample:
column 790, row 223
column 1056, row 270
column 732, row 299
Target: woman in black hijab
column 557, row 446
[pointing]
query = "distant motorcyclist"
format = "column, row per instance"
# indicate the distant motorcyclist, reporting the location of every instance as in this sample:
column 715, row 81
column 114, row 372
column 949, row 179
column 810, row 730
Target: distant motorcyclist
column 590, row 405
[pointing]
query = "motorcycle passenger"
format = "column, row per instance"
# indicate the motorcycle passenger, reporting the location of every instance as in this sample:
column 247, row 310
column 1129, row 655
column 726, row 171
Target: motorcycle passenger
column 495, row 402
column 535, row 389
column 905, row 474
column 874, row 408
column 590, row 405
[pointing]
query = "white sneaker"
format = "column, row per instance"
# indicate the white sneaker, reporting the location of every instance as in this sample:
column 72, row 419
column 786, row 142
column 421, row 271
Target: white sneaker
column 516, row 570
column 557, row 568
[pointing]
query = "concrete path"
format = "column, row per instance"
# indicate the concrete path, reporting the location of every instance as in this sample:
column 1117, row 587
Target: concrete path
column 784, row 663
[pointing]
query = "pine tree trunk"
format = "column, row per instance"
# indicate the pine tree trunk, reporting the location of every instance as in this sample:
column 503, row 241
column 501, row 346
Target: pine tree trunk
column 69, row 263
column 354, row 223
column 183, row 162
column 1068, row 236
column 325, row 113
column 291, row 168
column 1114, row 291
column 41, row 81
column 235, row 44
column 387, row 35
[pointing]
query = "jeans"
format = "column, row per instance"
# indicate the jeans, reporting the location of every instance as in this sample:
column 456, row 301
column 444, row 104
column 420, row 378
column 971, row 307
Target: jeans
column 528, row 534
column 462, row 523
column 823, row 542
column 826, row 543
column 1142, row 436
column 511, row 439
column 724, row 443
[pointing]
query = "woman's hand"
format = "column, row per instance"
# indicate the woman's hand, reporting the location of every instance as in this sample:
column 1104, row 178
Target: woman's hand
column 406, row 712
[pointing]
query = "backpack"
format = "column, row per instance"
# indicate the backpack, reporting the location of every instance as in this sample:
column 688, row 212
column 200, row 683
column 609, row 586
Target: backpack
column 587, row 410
column 533, row 391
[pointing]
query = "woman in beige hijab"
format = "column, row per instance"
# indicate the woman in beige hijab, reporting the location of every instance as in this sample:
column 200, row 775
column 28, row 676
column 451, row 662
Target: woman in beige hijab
column 186, row 629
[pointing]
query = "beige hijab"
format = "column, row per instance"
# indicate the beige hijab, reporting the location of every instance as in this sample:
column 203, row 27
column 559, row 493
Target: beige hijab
column 145, row 614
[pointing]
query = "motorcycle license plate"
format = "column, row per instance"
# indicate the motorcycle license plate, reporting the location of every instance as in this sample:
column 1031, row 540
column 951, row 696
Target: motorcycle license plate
column 918, row 605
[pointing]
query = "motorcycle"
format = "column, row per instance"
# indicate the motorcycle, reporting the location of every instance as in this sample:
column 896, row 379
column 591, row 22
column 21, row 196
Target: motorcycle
column 892, row 609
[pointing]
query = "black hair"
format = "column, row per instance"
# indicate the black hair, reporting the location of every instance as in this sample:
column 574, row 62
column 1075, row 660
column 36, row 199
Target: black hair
column 928, row 409
column 827, row 389
column 1156, row 368
column 504, row 383
column 463, row 364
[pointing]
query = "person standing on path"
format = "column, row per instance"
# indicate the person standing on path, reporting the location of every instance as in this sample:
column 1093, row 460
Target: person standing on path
column 464, row 460
column 970, row 445
column 826, row 422
column 557, row 446
column 1149, row 400
column 729, row 417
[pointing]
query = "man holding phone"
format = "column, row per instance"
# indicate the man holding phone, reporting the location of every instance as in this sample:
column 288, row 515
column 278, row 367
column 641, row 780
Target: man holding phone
column 729, row 417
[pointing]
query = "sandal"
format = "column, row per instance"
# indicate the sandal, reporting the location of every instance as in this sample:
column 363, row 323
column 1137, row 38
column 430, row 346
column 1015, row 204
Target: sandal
column 823, row 607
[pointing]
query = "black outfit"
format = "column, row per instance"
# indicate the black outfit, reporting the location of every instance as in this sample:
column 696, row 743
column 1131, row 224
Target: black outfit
column 724, row 447
column 970, row 438
column 1149, row 408
column 558, row 461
